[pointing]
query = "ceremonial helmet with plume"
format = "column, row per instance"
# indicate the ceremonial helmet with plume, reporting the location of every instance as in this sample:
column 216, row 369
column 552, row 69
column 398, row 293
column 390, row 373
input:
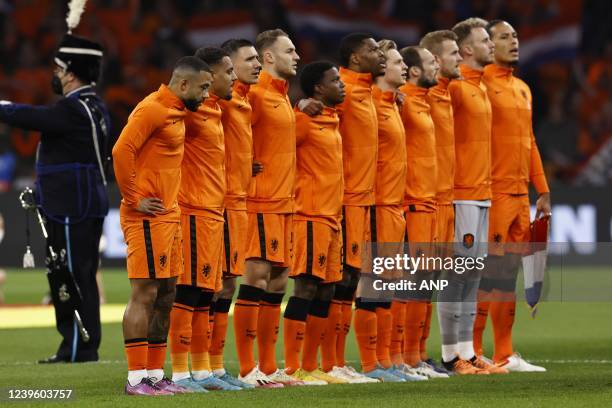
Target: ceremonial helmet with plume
column 79, row 55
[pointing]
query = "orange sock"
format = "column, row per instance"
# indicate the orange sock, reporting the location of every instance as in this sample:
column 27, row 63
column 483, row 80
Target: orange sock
column 345, row 326
column 294, row 326
column 200, row 341
column 416, row 313
column 156, row 355
column 219, row 332
column 267, row 331
column 480, row 323
column 330, row 336
column 502, row 317
column 315, row 329
column 398, row 323
column 365, row 333
column 383, row 331
column 246, row 312
column 136, row 353
column 180, row 337
column 425, row 335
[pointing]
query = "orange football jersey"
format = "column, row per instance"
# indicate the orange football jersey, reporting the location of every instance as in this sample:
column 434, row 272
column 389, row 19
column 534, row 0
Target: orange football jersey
column 421, row 180
column 359, row 130
column 515, row 155
column 472, row 122
column 202, row 189
column 319, row 179
column 238, row 136
column 391, row 167
column 273, row 124
column 148, row 154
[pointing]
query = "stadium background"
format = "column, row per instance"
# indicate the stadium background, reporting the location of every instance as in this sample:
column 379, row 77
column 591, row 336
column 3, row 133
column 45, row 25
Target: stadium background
column 566, row 58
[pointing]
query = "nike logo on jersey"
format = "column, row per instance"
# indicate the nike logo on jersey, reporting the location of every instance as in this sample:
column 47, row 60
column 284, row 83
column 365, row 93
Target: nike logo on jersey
column 277, row 105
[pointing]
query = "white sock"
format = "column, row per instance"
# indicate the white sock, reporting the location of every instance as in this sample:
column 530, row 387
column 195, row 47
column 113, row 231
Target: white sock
column 466, row 350
column 180, row 376
column 156, row 375
column 219, row 372
column 136, row 376
column 449, row 352
column 200, row 375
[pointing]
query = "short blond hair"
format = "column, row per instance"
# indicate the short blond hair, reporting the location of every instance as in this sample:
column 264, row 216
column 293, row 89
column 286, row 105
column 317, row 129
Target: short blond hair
column 266, row 39
column 433, row 40
column 463, row 29
column 386, row 45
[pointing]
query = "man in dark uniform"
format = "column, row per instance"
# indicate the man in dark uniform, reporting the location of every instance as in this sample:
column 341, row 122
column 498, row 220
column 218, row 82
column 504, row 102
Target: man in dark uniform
column 71, row 183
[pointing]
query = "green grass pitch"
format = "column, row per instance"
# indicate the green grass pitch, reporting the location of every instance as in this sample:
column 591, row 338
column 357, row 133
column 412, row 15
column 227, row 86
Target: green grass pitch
column 573, row 340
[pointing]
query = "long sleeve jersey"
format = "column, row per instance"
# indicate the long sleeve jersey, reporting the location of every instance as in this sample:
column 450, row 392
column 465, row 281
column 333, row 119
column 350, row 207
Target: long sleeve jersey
column 515, row 156
column 439, row 100
column 391, row 167
column 148, row 154
column 320, row 178
column 273, row 125
column 202, row 189
column 472, row 120
column 236, row 119
column 421, row 179
column 359, row 130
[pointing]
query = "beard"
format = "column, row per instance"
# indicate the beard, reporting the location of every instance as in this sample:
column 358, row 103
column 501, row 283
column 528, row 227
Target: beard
column 485, row 60
column 426, row 83
column 192, row 104
column 450, row 74
column 513, row 63
column 56, row 85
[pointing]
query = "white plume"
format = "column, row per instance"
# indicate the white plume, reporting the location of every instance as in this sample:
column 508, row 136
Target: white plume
column 75, row 10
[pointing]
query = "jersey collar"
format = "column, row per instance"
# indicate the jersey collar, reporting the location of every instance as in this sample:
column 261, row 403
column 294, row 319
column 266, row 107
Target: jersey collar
column 498, row 71
column 268, row 81
column 352, row 77
column 470, row 74
column 241, row 88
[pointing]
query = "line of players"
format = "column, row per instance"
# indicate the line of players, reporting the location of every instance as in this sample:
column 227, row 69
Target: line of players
column 221, row 177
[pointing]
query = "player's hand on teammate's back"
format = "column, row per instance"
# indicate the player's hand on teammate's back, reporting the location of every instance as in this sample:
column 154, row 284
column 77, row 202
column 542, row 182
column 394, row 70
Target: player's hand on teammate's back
column 257, row 168
column 150, row 206
column 310, row 106
column 543, row 206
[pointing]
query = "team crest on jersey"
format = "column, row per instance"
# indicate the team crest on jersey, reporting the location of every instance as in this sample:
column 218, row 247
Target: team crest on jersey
column 274, row 245
column 354, row 248
column 162, row 260
column 468, row 240
column 206, row 269
column 497, row 238
column 322, row 259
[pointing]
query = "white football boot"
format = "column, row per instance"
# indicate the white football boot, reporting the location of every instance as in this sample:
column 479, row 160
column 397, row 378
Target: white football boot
column 516, row 364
